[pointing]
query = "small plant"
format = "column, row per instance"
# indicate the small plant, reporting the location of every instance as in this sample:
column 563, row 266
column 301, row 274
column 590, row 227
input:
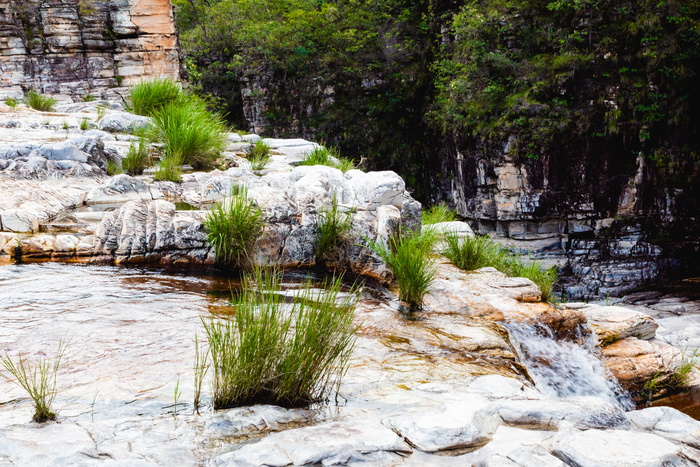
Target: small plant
column 330, row 157
column 38, row 379
column 149, row 96
column 232, row 227
column 408, row 255
column 545, row 278
column 169, row 169
column 439, row 213
column 201, row 367
column 101, row 111
column 271, row 351
column 177, row 394
column 332, row 232
column 119, row 79
column 137, row 157
column 189, row 132
column 11, row 103
column 89, row 98
column 84, row 123
column 683, row 370
column 65, row 125
column 39, row 102
column 259, row 155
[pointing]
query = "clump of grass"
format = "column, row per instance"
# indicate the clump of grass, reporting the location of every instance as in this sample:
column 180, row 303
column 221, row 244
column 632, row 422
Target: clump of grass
column 259, row 155
column 113, row 168
column 201, row 368
column 101, row 109
column 11, row 103
column 169, row 169
column 84, row 123
column 439, row 213
column 682, row 372
column 330, row 157
column 149, row 96
column 38, row 379
column 408, row 255
column 289, row 354
column 332, row 232
column 472, row 253
column 39, row 102
column 232, row 227
column 89, row 98
column 137, row 157
column 65, row 125
column 189, row 132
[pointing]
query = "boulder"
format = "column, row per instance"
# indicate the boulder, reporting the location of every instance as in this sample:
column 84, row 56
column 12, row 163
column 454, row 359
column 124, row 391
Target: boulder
column 612, row 323
column 635, row 362
column 668, row 423
column 123, row 122
column 120, row 189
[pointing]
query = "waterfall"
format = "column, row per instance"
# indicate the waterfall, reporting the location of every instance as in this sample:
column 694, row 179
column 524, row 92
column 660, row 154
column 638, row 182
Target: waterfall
column 565, row 369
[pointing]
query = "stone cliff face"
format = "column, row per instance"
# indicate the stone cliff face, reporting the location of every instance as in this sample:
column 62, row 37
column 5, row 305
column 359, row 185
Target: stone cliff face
column 76, row 47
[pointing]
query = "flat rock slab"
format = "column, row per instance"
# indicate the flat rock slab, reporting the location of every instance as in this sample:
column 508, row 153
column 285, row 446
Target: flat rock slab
column 612, row 323
column 668, row 423
column 616, row 448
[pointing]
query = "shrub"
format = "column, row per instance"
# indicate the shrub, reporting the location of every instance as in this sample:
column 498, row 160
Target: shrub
column 11, row 103
column 189, row 132
column 271, row 351
column 439, row 213
column 259, row 155
column 330, row 157
column 38, row 379
column 232, row 227
column 169, row 169
column 332, row 232
column 149, row 96
column 408, row 255
column 478, row 252
column 39, row 102
column 137, row 157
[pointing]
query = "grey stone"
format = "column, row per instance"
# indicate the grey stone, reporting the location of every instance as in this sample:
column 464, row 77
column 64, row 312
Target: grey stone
column 122, row 122
column 668, row 423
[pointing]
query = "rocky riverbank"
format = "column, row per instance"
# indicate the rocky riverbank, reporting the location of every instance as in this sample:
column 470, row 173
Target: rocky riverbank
column 487, row 374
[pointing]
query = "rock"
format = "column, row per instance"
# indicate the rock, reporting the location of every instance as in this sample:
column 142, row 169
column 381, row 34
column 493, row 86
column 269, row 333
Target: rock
column 245, row 421
column 337, row 443
column 122, row 122
column 66, row 244
column 458, row 228
column 634, row 362
column 46, row 444
column 9, row 243
column 64, row 151
column 377, row 188
column 668, row 423
column 611, row 323
column 20, row 220
column 120, row 189
column 616, row 448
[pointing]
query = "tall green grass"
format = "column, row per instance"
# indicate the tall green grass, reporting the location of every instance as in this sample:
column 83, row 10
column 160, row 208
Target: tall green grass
column 38, row 379
column 330, row 157
column 439, row 213
column 189, row 132
column 332, row 232
column 409, row 256
column 232, row 227
column 169, row 169
column 479, row 252
column 259, row 155
column 137, row 157
column 39, row 102
column 271, row 351
column 149, row 96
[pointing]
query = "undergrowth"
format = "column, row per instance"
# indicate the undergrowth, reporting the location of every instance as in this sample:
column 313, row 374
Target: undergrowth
column 149, row 96
column 439, row 213
column 39, row 102
column 259, row 155
column 332, row 232
column 330, row 157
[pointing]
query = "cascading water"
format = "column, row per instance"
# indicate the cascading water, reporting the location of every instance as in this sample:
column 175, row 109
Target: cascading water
column 565, row 369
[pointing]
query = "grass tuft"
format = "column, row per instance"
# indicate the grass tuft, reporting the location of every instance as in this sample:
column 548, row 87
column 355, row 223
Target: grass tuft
column 439, row 213
column 330, row 157
column 89, row 98
column 289, row 354
column 332, row 232
column 472, row 253
column 137, row 157
column 259, row 155
column 38, row 379
column 113, row 168
column 39, row 102
column 11, row 103
column 232, row 227
column 408, row 255
column 147, row 97
column 169, row 169
column 84, row 123
column 189, row 132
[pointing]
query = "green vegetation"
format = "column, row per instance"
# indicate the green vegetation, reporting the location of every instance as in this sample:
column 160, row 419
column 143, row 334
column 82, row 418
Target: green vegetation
column 682, row 372
column 84, row 123
column 271, row 351
column 330, row 157
column 38, row 379
column 472, row 253
column 11, row 103
column 147, row 97
column 259, row 155
column 439, row 213
column 39, row 102
column 89, row 98
column 65, row 125
column 409, row 256
column 201, row 368
column 232, row 228
column 137, row 157
column 189, row 132
column 169, row 169
column 332, row 232
column 113, row 168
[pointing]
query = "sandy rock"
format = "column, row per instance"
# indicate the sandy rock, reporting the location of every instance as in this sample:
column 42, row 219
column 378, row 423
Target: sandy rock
column 616, row 448
column 611, row 323
column 9, row 243
column 39, row 245
column 634, row 362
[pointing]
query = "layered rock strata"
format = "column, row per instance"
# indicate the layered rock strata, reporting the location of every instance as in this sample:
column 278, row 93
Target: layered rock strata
column 78, row 47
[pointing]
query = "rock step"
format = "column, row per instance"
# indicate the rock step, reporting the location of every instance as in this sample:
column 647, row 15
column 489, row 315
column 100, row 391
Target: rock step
column 89, row 216
column 63, row 227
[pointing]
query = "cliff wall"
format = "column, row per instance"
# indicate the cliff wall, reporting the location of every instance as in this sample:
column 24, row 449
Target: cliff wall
column 76, row 47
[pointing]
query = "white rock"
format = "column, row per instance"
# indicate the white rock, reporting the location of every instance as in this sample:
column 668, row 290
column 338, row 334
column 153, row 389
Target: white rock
column 120, row 189
column 669, row 423
column 122, row 122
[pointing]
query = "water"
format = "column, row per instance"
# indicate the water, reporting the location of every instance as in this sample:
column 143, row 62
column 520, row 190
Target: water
column 566, row 369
